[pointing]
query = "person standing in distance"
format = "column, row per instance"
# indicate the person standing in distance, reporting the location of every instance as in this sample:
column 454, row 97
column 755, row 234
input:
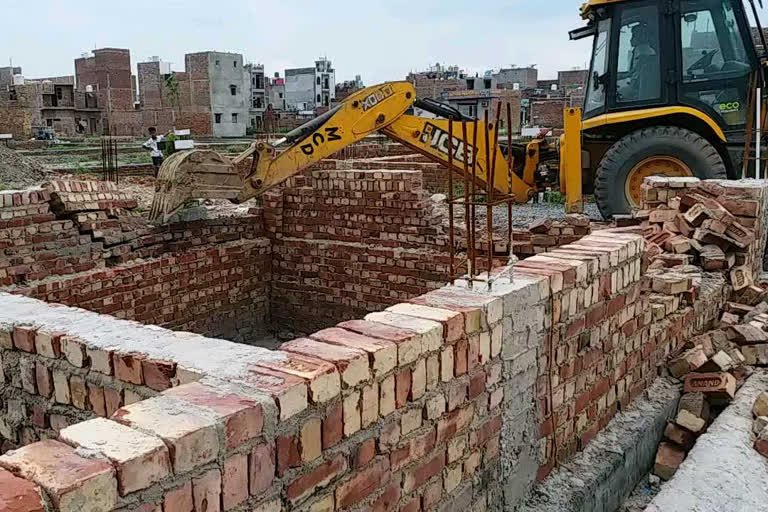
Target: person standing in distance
column 154, row 150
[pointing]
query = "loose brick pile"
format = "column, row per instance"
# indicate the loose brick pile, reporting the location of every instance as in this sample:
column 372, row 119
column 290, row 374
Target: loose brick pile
column 714, row 224
column 82, row 244
column 35, row 243
column 546, row 234
column 760, row 424
column 711, row 365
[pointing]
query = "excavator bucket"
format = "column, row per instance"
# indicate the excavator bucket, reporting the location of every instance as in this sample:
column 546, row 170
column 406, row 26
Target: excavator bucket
column 192, row 174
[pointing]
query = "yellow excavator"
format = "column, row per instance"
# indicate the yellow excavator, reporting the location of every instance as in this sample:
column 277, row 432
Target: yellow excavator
column 671, row 91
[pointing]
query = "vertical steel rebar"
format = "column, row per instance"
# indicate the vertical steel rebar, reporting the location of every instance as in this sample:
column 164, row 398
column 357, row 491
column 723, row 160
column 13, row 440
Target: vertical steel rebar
column 488, row 211
column 510, row 170
column 491, row 183
column 450, row 197
column 473, row 195
column 467, row 222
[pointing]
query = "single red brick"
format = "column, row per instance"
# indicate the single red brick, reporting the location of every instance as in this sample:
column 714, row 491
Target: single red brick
column 128, row 367
column 473, row 352
column 243, row 418
column 460, row 357
column 96, row 400
column 454, row 422
column 158, row 374
column 44, row 381
column 262, row 468
column 476, row 384
column 457, row 394
column 363, row 484
column 412, row 505
column 288, row 455
column 388, row 500
column 37, row 415
column 179, row 499
column 113, row 400
column 365, row 453
column 418, row 476
column 18, row 495
column 206, row 491
column 668, row 459
column 234, row 481
column 24, row 338
column 333, row 427
column 402, row 387
column 432, row 495
column 320, row 476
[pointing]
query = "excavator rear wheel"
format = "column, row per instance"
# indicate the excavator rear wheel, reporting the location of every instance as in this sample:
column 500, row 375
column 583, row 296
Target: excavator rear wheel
column 657, row 151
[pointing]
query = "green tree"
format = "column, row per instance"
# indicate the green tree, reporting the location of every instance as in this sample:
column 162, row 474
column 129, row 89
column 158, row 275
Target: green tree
column 174, row 94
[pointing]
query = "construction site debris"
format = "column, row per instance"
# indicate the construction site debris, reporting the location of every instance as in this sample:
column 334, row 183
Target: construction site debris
column 19, row 172
column 761, row 405
column 704, row 223
column 760, row 424
column 668, row 459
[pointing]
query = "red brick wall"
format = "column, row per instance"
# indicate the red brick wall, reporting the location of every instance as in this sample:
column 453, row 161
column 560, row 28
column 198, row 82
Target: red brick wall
column 350, row 242
column 208, row 276
column 391, row 418
column 548, row 113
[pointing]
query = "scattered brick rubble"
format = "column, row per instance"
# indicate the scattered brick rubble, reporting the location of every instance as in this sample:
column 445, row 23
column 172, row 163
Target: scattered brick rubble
column 708, row 223
column 760, row 425
column 693, row 228
column 546, row 234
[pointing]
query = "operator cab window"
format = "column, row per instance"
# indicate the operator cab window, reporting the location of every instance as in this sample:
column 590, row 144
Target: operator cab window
column 715, row 64
column 712, row 45
column 595, row 99
column 638, row 76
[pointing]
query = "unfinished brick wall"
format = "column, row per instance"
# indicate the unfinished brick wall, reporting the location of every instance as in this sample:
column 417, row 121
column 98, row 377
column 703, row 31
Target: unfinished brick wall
column 79, row 243
column 349, row 242
column 400, row 410
column 458, row 398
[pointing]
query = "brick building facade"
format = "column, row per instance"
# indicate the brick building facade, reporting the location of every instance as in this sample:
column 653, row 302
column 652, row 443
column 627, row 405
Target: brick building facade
column 107, row 75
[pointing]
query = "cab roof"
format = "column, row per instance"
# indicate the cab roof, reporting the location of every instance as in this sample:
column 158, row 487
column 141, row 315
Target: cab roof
column 591, row 4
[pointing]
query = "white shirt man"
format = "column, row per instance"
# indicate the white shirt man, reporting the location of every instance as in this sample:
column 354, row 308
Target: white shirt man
column 154, row 150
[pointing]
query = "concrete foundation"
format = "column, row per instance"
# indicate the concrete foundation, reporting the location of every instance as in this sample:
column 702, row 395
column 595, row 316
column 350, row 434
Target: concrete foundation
column 723, row 472
column 601, row 477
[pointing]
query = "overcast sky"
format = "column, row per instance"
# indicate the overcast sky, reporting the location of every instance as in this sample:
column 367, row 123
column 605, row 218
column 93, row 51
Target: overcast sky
column 378, row 39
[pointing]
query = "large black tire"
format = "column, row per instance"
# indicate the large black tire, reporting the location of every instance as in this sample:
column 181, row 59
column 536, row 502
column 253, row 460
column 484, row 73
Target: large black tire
column 611, row 175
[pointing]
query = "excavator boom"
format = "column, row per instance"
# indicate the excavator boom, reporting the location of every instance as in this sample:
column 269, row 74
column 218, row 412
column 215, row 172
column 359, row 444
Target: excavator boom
column 381, row 108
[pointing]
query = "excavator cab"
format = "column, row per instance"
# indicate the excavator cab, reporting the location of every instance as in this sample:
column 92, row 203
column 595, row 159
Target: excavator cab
column 670, row 92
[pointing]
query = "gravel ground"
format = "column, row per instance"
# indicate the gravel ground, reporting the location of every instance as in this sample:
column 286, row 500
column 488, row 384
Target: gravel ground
column 18, row 171
column 643, row 494
column 522, row 214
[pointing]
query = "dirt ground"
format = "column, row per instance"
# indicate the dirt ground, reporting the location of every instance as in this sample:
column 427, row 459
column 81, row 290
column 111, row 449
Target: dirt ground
column 19, row 172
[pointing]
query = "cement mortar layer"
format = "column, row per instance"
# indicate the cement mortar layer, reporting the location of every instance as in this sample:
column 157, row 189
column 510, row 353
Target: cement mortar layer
column 209, row 356
column 723, row 472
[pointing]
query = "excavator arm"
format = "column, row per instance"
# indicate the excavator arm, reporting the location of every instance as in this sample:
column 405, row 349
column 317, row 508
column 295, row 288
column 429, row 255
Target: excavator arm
column 381, row 108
